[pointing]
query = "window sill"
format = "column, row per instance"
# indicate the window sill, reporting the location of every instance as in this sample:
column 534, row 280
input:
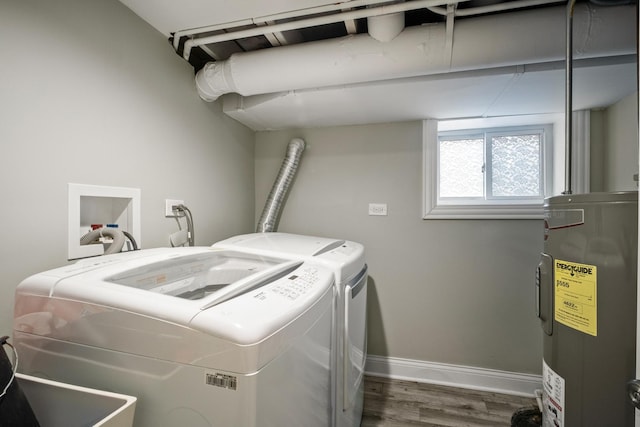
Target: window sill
column 484, row 212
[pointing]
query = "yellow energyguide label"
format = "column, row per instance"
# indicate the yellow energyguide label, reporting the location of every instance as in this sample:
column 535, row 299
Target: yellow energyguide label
column 576, row 302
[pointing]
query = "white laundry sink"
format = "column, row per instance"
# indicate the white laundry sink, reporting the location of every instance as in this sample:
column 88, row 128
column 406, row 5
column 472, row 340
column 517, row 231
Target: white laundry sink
column 57, row 404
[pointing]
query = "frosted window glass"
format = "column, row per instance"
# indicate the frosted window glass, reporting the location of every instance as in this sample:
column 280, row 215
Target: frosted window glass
column 487, row 172
column 515, row 165
column 461, row 163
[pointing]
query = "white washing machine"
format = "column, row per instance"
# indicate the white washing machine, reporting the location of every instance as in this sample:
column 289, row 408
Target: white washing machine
column 203, row 337
column 346, row 260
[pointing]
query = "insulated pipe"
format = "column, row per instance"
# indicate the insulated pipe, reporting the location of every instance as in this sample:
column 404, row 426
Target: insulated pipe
column 268, row 221
column 516, row 38
column 93, row 236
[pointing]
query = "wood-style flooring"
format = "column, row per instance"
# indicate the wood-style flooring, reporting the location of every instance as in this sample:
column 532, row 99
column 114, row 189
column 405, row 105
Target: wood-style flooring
column 396, row 403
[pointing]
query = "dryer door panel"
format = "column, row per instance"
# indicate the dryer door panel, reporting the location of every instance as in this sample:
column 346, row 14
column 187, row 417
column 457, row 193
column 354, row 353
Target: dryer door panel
column 355, row 339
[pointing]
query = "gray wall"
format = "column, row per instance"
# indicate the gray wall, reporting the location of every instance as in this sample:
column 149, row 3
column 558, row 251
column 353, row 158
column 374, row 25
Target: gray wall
column 620, row 154
column 614, row 146
column 450, row 291
column 91, row 94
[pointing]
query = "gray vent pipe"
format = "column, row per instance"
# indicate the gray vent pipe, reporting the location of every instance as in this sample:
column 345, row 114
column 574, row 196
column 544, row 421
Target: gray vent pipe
column 268, row 221
column 568, row 91
column 568, row 96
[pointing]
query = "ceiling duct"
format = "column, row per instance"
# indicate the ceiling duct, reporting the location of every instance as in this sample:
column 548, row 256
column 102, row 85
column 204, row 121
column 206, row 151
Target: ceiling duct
column 515, row 38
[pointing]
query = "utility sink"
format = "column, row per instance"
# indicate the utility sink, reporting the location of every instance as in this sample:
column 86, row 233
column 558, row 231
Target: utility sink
column 57, row 404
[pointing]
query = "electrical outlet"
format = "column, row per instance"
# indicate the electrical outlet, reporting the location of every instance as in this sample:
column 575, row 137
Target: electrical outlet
column 379, row 209
column 169, row 212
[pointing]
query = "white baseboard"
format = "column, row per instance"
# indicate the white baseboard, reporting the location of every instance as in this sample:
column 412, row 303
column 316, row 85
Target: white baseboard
column 453, row 375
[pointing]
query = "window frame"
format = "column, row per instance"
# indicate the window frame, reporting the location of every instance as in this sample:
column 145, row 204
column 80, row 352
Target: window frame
column 435, row 207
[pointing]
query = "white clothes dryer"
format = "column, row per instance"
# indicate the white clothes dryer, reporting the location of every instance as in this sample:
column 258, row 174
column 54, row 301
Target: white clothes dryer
column 346, row 260
column 201, row 336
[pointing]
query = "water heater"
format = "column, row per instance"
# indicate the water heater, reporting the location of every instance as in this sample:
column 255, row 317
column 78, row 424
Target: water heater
column 586, row 302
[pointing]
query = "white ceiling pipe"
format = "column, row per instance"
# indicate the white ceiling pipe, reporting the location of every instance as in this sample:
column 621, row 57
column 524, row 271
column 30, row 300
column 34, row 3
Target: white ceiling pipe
column 514, row 4
column 498, row 7
column 271, row 18
column 385, row 28
column 312, row 22
column 211, row 28
column 485, row 42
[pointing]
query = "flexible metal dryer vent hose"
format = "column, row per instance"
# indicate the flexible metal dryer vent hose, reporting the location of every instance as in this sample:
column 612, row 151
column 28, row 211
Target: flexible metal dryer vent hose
column 270, row 217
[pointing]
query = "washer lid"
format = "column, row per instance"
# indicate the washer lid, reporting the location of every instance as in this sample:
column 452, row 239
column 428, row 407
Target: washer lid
column 210, row 277
column 173, row 284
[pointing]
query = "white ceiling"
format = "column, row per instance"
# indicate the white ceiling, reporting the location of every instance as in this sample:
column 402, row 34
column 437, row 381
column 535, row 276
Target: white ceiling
column 490, row 92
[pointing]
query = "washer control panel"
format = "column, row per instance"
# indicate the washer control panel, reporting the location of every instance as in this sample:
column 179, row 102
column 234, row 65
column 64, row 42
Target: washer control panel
column 297, row 284
column 257, row 314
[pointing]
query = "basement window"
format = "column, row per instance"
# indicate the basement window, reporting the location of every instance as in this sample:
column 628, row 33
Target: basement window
column 502, row 170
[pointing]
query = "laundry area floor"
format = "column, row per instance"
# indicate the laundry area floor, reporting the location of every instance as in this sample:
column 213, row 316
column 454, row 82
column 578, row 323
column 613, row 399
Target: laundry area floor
column 397, row 403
